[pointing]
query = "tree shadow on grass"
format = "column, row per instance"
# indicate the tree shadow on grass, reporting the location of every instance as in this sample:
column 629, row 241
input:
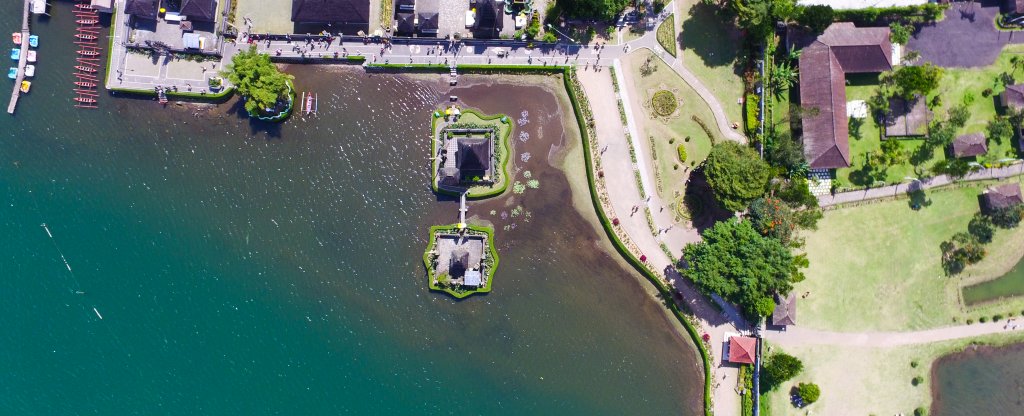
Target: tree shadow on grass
column 711, row 37
column 700, row 200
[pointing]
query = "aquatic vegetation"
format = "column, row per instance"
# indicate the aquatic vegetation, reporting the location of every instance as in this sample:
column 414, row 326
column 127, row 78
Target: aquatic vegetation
column 518, row 187
column 525, row 157
column 517, row 211
column 533, row 184
column 493, row 212
column 527, row 174
column 524, row 136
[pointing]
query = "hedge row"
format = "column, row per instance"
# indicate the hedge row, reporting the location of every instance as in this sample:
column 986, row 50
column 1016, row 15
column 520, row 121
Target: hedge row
column 872, row 15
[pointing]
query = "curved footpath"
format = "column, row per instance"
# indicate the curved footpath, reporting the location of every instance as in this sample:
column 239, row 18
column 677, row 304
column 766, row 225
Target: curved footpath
column 806, row 336
column 927, row 183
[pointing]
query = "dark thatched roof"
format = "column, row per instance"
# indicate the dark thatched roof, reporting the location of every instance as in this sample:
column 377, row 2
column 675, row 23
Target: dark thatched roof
column 1013, row 96
column 405, row 23
column 785, row 310
column 143, row 9
column 200, row 10
column 405, row 6
column 428, row 22
column 459, row 263
column 1001, row 197
column 971, row 144
column 489, row 19
column 331, row 11
column 473, row 157
column 824, row 62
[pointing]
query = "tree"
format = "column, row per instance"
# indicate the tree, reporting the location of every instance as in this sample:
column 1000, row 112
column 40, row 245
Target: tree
column 759, row 16
column 962, row 250
column 601, row 9
column 955, row 167
column 786, row 152
column 737, row 175
column 783, row 76
column 808, row 392
column 816, row 17
column 1007, row 218
column 777, row 369
column 743, row 267
column 900, row 33
column 981, row 228
column 257, row 79
column 910, row 81
column 772, row 218
column 1000, row 129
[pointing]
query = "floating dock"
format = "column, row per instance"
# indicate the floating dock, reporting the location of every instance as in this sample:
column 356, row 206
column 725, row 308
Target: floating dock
column 22, row 60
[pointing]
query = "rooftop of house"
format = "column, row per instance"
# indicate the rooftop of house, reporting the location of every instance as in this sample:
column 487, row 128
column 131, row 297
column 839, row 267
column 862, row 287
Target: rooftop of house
column 742, row 350
column 145, row 9
column 331, row 11
column 1013, row 96
column 1000, row 197
column 199, row 10
column 825, row 60
column 971, row 144
column 785, row 310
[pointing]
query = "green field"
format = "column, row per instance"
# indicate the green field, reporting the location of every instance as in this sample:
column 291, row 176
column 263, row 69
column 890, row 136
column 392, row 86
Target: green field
column 859, row 381
column 878, row 266
column 667, row 133
column 711, row 50
column 667, row 35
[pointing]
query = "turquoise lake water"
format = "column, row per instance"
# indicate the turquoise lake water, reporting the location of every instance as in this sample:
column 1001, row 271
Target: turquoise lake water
column 251, row 269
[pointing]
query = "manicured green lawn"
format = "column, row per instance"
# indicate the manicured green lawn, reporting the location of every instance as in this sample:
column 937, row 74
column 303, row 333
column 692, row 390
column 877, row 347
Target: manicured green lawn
column 864, row 380
column 711, row 50
column 666, row 133
column 878, row 266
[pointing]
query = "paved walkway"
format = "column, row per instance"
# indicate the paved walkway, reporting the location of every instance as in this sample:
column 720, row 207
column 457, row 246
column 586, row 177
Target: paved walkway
column 913, row 185
column 967, row 37
column 798, row 336
column 861, row 4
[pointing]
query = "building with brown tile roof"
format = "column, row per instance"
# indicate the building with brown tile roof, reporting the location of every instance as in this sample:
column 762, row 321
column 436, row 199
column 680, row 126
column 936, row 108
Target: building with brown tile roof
column 742, row 350
column 1013, row 96
column 971, row 144
column 1001, row 197
column 843, row 48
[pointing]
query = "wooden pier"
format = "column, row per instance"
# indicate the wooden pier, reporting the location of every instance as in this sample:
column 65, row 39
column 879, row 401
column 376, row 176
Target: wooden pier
column 23, row 59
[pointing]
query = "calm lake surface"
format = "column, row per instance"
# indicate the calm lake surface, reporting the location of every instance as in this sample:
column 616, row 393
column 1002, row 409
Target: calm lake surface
column 250, row 269
column 980, row 381
column 1007, row 285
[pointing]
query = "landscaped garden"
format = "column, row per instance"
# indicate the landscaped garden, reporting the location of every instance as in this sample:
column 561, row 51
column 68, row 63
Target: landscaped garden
column 878, row 266
column 267, row 91
column 496, row 129
column 673, row 116
column 973, row 92
column 667, row 35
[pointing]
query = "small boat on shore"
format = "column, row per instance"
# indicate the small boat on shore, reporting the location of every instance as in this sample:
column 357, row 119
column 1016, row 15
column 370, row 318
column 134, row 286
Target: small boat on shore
column 30, row 70
column 15, row 54
column 85, row 36
column 31, row 56
column 33, row 41
column 85, row 68
column 16, row 37
column 87, row 21
column 86, row 100
column 86, row 52
column 85, row 84
column 12, row 73
column 25, row 86
column 83, row 6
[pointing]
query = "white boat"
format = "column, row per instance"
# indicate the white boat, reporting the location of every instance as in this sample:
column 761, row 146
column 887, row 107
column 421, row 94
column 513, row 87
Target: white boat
column 31, row 56
column 30, row 71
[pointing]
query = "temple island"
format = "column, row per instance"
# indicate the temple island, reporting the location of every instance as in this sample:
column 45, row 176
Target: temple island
column 470, row 152
column 461, row 259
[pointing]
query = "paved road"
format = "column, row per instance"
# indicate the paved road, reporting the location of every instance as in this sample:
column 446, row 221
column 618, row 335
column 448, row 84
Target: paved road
column 967, row 37
column 797, row 336
column 912, row 185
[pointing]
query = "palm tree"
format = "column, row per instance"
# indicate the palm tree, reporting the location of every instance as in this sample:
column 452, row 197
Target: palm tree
column 783, row 77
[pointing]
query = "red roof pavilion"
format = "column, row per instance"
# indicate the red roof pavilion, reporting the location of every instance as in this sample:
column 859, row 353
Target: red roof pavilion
column 742, row 350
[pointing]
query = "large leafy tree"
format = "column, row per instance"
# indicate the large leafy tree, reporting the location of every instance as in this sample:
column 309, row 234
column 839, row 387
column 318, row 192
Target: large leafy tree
column 777, row 369
column 737, row 175
column 759, row 16
column 912, row 80
column 773, row 218
column 737, row 263
column 257, row 79
column 817, row 17
column 602, row 9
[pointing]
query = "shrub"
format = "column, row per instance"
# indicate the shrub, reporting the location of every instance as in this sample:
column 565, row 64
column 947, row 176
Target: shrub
column 751, row 109
column 997, row 317
column 816, row 17
column 667, row 35
column 1007, row 217
column 900, row 33
column 808, row 392
column 916, row 380
column 981, row 228
column 920, row 411
column 913, row 364
column 970, row 321
column 664, row 103
column 983, row 319
column 681, row 151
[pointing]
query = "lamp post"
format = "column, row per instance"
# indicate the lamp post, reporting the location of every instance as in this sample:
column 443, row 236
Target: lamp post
column 552, row 27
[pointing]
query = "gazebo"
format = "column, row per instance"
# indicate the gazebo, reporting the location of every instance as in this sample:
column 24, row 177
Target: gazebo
column 742, row 350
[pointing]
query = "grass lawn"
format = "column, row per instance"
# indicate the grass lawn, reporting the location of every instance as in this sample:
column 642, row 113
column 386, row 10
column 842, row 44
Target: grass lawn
column 710, row 50
column 958, row 86
column 666, row 133
column 863, row 380
column 667, row 35
column 877, row 266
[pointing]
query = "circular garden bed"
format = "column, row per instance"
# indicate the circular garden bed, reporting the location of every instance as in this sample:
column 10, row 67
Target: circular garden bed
column 664, row 103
